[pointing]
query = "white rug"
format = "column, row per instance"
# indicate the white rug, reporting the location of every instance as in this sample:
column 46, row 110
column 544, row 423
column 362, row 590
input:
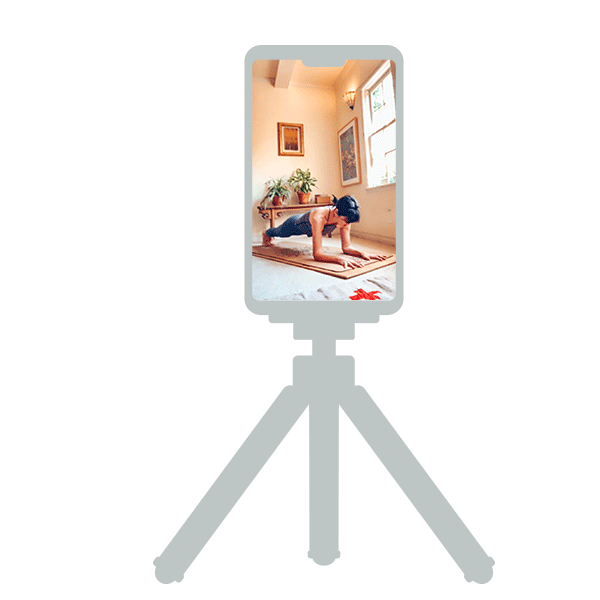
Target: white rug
column 373, row 288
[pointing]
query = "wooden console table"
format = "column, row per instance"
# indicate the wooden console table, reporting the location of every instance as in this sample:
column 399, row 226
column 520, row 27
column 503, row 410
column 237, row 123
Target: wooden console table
column 272, row 212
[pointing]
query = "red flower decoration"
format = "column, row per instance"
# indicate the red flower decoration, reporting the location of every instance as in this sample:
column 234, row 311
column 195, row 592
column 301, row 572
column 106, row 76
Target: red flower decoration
column 362, row 295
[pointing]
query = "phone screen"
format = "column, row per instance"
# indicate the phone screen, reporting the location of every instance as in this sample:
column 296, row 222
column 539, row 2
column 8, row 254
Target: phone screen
column 324, row 177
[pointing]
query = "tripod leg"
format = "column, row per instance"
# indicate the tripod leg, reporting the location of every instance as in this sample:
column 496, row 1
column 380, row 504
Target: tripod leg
column 230, row 485
column 417, row 485
column 324, row 414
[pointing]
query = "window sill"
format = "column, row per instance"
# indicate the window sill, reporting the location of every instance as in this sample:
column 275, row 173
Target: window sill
column 381, row 187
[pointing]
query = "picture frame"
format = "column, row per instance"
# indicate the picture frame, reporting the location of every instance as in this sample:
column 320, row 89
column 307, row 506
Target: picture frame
column 349, row 153
column 290, row 139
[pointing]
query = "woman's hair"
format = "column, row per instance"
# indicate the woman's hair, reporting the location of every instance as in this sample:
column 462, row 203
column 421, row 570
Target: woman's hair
column 348, row 207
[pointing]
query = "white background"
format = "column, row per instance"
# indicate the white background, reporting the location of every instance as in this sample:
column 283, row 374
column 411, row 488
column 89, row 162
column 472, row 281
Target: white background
column 132, row 371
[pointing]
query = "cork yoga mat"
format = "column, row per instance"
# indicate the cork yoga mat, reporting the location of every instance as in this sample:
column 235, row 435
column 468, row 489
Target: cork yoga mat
column 301, row 256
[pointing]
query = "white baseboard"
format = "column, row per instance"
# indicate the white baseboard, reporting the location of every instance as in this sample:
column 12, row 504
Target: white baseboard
column 383, row 239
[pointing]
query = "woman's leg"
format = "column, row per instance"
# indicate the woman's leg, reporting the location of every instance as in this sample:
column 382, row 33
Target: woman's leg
column 286, row 229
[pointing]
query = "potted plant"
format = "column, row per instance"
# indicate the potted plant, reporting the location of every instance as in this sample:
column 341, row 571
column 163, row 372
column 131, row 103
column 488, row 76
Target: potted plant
column 277, row 192
column 302, row 183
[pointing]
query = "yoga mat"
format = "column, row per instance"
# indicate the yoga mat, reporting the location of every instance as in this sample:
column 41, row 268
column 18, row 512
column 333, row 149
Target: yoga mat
column 300, row 255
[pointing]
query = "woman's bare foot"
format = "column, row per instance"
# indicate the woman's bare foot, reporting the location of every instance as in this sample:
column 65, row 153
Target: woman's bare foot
column 267, row 240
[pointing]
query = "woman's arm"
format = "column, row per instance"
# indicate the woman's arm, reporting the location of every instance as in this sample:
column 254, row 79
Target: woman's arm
column 348, row 249
column 317, row 223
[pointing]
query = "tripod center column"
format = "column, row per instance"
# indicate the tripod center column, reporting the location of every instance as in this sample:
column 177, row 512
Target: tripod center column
column 322, row 377
column 324, row 348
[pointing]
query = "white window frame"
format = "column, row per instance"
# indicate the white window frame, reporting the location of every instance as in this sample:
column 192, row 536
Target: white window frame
column 370, row 124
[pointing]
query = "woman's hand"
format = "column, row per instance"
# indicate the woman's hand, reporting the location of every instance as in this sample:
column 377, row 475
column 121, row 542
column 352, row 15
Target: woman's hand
column 372, row 256
column 350, row 264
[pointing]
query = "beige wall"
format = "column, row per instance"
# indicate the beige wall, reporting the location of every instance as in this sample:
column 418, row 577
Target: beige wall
column 323, row 112
column 314, row 107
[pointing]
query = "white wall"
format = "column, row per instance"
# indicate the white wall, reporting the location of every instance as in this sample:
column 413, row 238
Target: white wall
column 314, row 107
column 378, row 205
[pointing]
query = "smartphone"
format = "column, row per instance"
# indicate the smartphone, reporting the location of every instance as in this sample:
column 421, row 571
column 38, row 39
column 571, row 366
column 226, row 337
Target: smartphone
column 323, row 182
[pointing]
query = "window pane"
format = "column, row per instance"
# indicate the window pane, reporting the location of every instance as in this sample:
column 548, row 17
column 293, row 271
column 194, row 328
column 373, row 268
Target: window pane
column 377, row 98
column 383, row 151
column 382, row 103
column 379, row 116
column 390, row 165
column 388, row 87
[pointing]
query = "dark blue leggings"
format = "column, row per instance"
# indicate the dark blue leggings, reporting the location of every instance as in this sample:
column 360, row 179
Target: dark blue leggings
column 291, row 227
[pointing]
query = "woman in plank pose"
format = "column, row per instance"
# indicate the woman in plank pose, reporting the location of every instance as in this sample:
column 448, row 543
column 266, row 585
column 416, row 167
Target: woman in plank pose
column 324, row 220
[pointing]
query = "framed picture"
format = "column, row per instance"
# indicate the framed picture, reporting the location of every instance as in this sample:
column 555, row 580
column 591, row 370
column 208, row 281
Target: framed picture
column 290, row 139
column 349, row 153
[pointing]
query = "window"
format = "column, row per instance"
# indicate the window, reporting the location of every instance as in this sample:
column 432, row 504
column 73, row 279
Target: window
column 379, row 118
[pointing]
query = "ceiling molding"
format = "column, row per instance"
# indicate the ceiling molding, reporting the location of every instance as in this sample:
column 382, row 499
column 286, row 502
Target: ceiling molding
column 285, row 68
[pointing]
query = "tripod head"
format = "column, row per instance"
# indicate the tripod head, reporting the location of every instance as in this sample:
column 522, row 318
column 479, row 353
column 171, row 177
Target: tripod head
column 322, row 326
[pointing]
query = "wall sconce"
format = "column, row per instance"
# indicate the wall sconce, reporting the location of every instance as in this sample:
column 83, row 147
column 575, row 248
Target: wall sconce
column 349, row 98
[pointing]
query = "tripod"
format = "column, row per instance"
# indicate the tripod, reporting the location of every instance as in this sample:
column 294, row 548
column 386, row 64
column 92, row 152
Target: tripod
column 315, row 388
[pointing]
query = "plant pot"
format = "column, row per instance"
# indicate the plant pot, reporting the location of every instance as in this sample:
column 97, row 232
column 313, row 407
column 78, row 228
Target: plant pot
column 276, row 200
column 303, row 198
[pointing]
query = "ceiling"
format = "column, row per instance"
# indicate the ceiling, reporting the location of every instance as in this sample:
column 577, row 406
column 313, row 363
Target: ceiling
column 298, row 74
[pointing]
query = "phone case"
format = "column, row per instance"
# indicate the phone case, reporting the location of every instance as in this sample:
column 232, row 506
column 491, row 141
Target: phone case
column 323, row 202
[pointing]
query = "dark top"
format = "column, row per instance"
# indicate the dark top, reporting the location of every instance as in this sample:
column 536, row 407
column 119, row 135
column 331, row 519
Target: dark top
column 304, row 220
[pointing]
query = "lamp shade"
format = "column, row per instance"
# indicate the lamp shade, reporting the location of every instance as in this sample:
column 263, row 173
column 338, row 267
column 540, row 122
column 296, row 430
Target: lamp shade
column 349, row 98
